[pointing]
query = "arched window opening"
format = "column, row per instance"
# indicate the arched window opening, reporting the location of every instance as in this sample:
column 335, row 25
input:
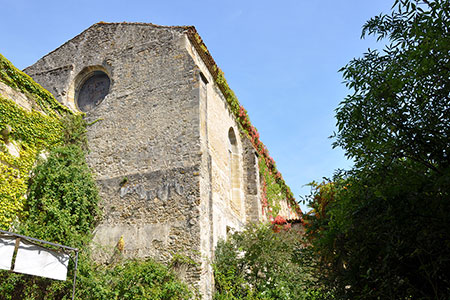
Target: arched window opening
column 92, row 90
column 234, row 171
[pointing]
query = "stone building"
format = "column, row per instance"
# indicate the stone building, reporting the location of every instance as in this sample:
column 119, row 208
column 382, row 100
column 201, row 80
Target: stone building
column 174, row 170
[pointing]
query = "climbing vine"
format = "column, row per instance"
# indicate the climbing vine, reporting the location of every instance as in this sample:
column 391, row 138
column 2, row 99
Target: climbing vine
column 25, row 134
column 30, row 133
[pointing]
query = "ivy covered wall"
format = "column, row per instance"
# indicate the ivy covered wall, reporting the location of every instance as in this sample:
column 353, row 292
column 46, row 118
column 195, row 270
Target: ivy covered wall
column 25, row 133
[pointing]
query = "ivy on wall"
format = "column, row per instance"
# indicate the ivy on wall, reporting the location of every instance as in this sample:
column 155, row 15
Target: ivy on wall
column 274, row 188
column 20, row 81
column 31, row 132
column 28, row 132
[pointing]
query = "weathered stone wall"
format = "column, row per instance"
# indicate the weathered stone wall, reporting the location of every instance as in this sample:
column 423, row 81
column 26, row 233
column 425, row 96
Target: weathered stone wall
column 145, row 145
column 287, row 211
column 216, row 121
column 18, row 97
column 149, row 120
column 156, row 213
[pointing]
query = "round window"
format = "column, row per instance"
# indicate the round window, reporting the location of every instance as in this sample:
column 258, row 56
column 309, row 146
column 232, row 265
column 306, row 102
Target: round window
column 93, row 90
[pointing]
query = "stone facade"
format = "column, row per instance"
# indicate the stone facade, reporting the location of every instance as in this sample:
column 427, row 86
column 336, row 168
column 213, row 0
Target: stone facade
column 174, row 172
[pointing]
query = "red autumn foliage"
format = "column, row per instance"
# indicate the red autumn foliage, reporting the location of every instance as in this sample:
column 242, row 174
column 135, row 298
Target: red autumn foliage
column 279, row 220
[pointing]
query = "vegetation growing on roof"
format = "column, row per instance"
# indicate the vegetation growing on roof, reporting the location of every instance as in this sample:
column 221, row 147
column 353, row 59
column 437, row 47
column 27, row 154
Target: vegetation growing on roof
column 18, row 80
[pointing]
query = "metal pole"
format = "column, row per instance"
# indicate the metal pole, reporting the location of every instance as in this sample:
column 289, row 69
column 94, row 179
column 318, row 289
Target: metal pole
column 37, row 240
column 75, row 275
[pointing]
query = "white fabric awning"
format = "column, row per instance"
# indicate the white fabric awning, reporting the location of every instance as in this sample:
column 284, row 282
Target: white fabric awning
column 7, row 244
column 35, row 260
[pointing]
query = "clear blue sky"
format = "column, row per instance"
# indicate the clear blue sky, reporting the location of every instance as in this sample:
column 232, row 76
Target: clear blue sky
column 280, row 57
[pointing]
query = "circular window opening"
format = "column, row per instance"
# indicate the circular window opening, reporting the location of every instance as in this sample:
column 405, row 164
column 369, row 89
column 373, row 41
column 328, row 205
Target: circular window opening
column 93, row 91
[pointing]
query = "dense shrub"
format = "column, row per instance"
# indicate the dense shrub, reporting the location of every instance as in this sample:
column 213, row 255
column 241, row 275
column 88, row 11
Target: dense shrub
column 62, row 199
column 129, row 279
column 260, row 263
column 135, row 280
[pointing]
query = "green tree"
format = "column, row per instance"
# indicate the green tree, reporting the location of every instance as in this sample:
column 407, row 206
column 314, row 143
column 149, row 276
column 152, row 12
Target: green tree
column 400, row 104
column 383, row 231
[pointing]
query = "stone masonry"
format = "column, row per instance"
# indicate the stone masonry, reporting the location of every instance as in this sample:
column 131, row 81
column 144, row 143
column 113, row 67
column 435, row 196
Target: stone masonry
column 174, row 172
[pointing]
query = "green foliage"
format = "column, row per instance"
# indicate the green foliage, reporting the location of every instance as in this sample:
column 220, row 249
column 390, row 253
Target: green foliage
column 15, row 78
column 383, row 235
column 272, row 190
column 62, row 207
column 33, row 128
column 261, row 264
column 132, row 280
column 400, row 104
column 380, row 231
column 180, row 260
column 26, row 287
column 62, row 199
column 12, row 191
column 74, row 131
column 31, row 133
